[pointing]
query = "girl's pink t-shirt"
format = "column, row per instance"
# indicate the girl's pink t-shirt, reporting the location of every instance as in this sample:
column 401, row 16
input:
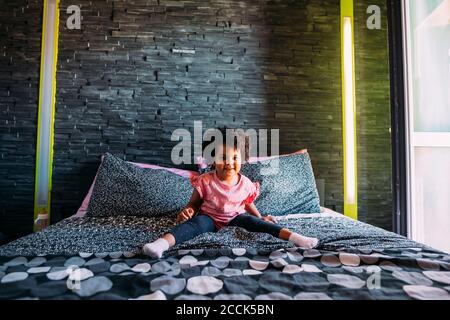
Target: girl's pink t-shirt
column 222, row 202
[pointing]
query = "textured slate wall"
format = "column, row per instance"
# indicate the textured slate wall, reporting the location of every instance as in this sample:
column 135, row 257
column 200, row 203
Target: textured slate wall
column 373, row 117
column 123, row 88
column 20, row 43
column 264, row 64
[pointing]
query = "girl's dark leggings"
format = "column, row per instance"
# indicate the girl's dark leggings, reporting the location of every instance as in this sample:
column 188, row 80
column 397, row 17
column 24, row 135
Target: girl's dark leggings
column 202, row 223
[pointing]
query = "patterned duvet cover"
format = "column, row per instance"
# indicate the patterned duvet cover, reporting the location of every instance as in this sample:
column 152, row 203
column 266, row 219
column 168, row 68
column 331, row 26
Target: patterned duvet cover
column 100, row 258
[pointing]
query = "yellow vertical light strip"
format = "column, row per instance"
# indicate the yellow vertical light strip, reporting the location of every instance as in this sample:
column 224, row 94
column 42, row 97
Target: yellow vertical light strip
column 46, row 111
column 349, row 110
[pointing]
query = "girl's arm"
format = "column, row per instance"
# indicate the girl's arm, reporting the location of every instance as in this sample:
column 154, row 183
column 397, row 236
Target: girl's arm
column 251, row 208
column 191, row 208
column 195, row 202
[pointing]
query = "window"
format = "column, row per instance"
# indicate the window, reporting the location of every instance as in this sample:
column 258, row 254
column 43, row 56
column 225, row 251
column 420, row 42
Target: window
column 427, row 61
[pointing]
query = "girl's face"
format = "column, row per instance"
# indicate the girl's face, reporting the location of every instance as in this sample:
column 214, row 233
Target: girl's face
column 227, row 162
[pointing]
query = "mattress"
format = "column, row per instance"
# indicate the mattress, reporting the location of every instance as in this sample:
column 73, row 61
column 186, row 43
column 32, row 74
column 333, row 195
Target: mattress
column 100, row 258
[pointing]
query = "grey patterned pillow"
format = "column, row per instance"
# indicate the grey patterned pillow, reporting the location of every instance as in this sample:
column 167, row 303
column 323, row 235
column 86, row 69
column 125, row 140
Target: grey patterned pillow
column 286, row 188
column 122, row 188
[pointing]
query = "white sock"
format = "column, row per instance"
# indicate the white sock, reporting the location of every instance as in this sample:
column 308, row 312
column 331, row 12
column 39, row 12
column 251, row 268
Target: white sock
column 302, row 241
column 156, row 248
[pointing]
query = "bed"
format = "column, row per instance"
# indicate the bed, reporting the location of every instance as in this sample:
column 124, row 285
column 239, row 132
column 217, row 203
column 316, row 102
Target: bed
column 96, row 253
column 100, row 258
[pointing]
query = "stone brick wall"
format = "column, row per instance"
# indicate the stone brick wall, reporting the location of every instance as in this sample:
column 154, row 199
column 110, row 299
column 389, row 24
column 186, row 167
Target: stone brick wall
column 123, row 86
column 20, row 45
column 373, row 117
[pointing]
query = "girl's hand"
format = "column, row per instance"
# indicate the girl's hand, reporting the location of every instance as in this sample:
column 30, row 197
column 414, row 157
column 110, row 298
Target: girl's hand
column 269, row 218
column 185, row 214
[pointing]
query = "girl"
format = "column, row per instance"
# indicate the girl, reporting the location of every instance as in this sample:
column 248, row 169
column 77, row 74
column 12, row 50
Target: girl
column 225, row 198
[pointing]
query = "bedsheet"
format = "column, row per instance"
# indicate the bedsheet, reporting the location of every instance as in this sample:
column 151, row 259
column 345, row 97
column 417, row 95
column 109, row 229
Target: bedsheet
column 100, row 258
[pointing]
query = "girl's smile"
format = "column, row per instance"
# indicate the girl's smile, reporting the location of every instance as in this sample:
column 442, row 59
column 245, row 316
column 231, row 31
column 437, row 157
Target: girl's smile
column 228, row 164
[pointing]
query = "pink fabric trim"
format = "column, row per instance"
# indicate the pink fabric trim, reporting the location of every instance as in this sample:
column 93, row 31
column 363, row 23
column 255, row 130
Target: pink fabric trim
column 84, row 205
column 202, row 162
column 183, row 173
column 253, row 195
column 180, row 172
